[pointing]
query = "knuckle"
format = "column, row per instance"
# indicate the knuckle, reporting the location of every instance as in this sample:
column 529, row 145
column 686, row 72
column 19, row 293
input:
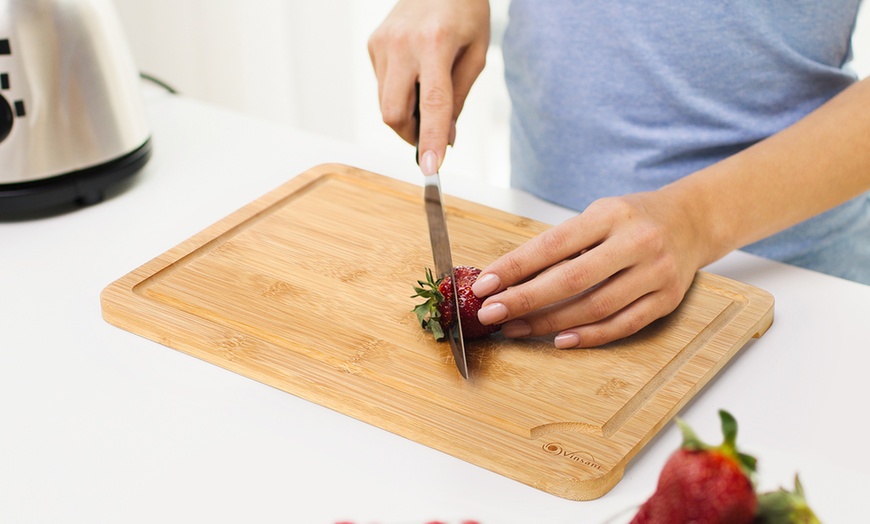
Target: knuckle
column 520, row 303
column 552, row 241
column 594, row 336
column 669, row 266
column 575, row 276
column 435, row 34
column 480, row 56
column 550, row 324
column 632, row 322
column 670, row 299
column 671, row 280
column 436, row 99
column 649, row 237
column 600, row 306
column 392, row 116
column 613, row 206
column 389, row 38
column 626, row 323
column 475, row 56
column 375, row 42
column 525, row 302
column 544, row 324
column 515, row 269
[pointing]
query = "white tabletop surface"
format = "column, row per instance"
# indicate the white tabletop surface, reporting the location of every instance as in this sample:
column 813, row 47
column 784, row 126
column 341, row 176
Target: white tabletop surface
column 100, row 425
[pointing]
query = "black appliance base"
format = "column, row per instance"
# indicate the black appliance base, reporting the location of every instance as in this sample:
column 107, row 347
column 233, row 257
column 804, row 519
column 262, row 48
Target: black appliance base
column 78, row 188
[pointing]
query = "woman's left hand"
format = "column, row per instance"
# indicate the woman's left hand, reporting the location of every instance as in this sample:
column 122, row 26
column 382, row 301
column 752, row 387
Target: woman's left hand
column 626, row 261
column 600, row 276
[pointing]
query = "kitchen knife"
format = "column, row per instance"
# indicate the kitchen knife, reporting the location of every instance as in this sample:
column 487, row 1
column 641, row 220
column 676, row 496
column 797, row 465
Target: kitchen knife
column 441, row 248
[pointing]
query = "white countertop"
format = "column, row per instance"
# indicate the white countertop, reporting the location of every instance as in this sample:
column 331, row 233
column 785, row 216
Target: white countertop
column 100, row 425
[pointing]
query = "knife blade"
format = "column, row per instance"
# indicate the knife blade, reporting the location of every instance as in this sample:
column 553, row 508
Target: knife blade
column 440, row 241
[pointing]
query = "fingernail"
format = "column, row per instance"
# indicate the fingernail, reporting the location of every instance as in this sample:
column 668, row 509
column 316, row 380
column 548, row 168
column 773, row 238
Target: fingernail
column 567, row 340
column 516, row 328
column 429, row 163
column 485, row 285
column 492, row 313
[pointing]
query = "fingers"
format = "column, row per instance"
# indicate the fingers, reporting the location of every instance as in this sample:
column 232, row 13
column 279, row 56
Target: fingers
column 549, row 250
column 617, row 308
column 442, row 47
column 625, row 322
column 396, row 68
column 439, row 111
column 446, row 76
column 561, row 282
column 436, row 119
column 439, row 106
column 468, row 67
column 441, row 100
column 397, row 99
column 600, row 276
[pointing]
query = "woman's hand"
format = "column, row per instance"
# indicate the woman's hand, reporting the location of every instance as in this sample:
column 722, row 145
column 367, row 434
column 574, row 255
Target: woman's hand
column 600, row 276
column 440, row 44
column 638, row 253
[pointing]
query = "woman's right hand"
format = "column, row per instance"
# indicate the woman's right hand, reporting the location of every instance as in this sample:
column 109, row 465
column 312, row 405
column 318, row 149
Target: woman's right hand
column 442, row 45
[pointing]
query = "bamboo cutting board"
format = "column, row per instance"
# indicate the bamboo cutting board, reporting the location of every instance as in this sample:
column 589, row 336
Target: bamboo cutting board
column 307, row 289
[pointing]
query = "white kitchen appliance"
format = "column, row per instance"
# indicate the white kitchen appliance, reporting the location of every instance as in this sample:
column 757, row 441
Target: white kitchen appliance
column 72, row 117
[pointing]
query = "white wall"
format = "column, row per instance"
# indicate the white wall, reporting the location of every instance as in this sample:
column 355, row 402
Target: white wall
column 861, row 41
column 305, row 63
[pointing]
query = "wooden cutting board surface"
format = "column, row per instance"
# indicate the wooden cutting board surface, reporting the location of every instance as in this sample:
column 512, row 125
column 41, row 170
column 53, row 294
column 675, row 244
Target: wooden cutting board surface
column 307, row 289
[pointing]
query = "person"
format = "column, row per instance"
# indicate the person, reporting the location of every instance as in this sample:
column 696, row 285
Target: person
column 679, row 131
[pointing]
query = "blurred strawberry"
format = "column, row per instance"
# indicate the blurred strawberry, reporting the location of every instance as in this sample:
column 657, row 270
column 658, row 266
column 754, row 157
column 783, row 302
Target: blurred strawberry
column 701, row 484
column 785, row 507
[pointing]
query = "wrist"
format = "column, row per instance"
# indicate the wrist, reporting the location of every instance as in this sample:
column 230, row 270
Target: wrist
column 705, row 217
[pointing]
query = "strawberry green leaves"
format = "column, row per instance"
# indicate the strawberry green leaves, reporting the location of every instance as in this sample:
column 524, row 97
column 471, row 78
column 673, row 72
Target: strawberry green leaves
column 427, row 312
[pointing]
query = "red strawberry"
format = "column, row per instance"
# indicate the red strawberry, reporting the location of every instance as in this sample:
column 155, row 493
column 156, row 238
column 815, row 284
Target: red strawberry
column 437, row 315
column 701, row 484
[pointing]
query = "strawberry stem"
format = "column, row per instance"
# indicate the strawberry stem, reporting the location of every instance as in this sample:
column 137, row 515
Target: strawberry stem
column 728, row 447
column 785, row 507
column 427, row 312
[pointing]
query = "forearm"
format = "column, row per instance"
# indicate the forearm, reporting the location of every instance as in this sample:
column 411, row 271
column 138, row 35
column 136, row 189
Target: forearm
column 810, row 167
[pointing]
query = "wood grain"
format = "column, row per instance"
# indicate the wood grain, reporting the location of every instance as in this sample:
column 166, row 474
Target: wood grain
column 307, row 289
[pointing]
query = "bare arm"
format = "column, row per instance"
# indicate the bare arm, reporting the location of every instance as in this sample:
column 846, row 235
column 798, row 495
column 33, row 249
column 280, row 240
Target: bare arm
column 814, row 165
column 641, row 251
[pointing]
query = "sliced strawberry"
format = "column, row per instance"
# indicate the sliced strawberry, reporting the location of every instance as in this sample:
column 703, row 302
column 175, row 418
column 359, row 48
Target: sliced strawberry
column 437, row 315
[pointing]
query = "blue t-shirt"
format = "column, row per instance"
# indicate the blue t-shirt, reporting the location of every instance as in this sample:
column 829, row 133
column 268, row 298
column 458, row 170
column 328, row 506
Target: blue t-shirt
column 617, row 97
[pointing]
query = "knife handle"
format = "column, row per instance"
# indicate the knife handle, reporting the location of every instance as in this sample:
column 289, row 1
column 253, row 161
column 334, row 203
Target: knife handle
column 417, row 122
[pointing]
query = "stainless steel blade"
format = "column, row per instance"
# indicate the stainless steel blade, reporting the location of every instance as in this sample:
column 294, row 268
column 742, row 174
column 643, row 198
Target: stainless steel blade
column 441, row 247
column 444, row 262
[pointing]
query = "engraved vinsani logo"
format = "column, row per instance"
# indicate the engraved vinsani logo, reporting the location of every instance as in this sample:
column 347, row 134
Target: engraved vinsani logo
column 556, row 449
